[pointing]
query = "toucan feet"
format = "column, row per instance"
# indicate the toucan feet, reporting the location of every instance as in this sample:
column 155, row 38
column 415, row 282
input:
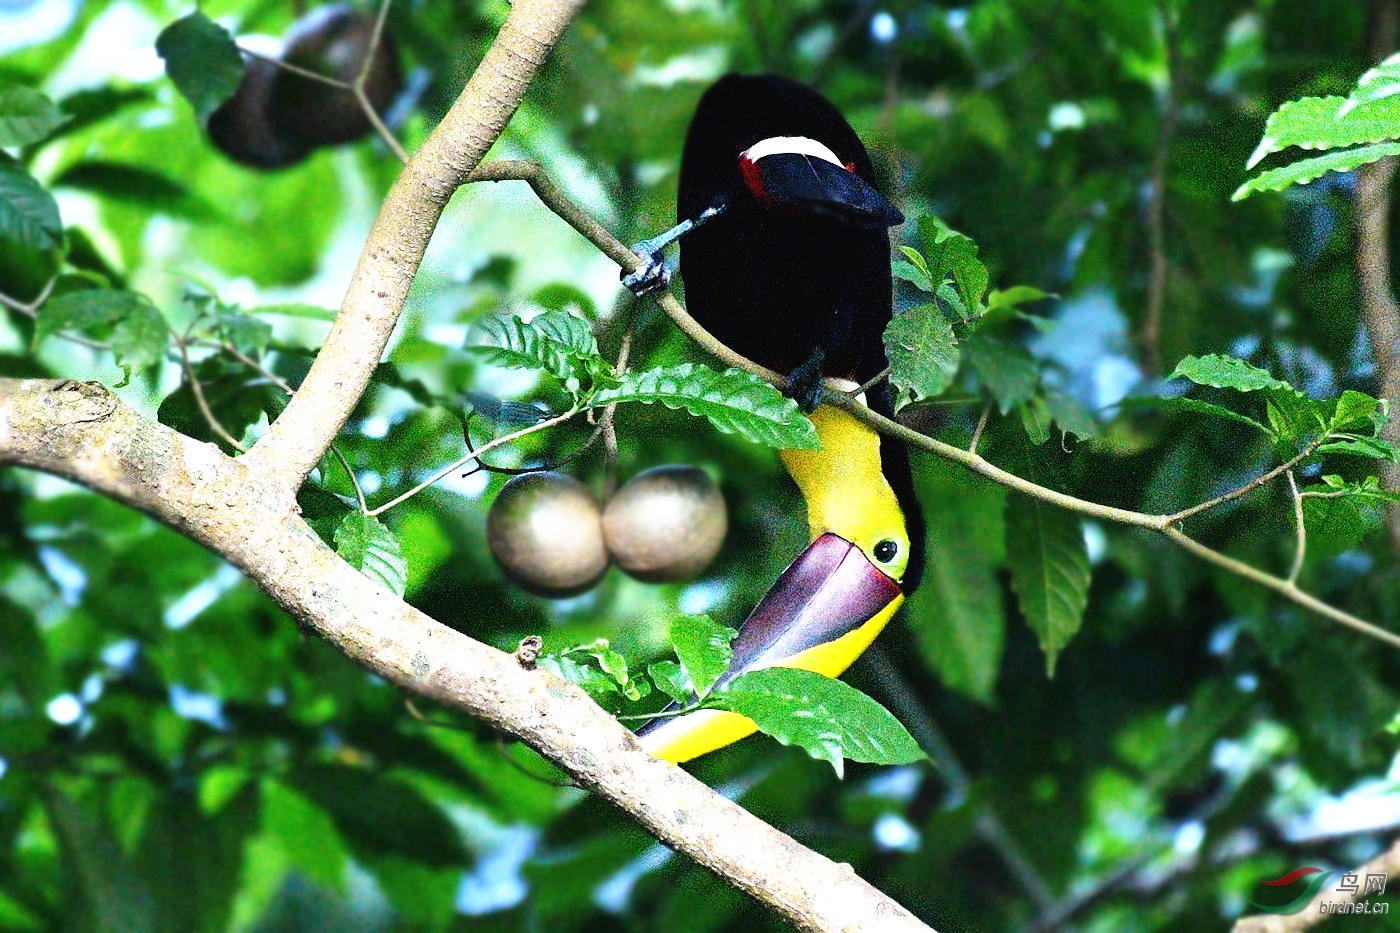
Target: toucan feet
column 804, row 384
column 652, row 275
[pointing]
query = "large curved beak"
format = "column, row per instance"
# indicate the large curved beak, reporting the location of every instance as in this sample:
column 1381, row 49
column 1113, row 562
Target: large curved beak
column 829, row 590
column 822, row 187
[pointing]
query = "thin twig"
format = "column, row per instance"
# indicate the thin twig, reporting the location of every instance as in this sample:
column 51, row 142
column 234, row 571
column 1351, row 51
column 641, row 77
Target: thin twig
column 871, row 383
column 1275, row 473
column 30, row 308
column 461, row 461
column 282, row 384
column 355, row 87
column 981, row 426
column 296, row 69
column 358, row 87
column 1279, row 585
column 197, row 388
column 1302, row 529
column 246, row 360
column 606, row 424
column 354, row 480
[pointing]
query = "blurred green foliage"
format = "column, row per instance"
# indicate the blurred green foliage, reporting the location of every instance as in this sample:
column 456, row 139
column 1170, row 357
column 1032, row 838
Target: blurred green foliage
column 175, row 755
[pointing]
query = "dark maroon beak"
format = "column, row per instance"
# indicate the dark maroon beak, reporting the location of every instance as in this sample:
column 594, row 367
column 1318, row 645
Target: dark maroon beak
column 816, row 185
column 829, row 590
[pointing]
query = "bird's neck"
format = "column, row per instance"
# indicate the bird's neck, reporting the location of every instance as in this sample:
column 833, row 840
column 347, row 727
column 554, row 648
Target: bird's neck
column 845, row 488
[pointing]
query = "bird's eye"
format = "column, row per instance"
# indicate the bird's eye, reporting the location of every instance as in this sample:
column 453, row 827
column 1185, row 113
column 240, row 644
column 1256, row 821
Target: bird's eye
column 886, row 550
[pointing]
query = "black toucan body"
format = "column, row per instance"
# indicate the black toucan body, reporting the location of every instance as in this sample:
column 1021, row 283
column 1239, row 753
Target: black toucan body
column 786, row 259
column 798, row 263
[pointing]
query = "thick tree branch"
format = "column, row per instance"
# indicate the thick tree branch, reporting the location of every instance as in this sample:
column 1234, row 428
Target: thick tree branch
column 84, row 433
column 300, row 436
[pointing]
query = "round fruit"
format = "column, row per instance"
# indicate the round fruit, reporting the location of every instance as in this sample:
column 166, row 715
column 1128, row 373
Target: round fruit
column 332, row 41
column 240, row 127
column 666, row 524
column 545, row 530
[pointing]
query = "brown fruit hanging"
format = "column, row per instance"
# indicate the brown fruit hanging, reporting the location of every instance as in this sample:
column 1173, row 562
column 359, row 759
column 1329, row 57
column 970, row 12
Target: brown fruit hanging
column 240, row 127
column 545, row 531
column 666, row 524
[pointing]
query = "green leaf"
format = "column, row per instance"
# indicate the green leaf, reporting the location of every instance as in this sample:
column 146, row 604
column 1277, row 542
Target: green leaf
column 219, row 785
column 830, row 720
column 734, row 401
column 1226, row 372
column 555, row 341
column 615, row 666
column 1369, row 488
column 571, row 331
column 957, row 613
column 380, row 815
column 1071, row 417
column 1375, row 447
column 1357, row 411
column 948, row 295
column 600, row 686
column 203, row 61
column 1015, row 296
column 1337, row 524
column 142, row 187
column 1049, row 565
column 26, row 116
column 1293, row 415
column 1327, row 123
column 703, row 649
column 247, row 334
column 1306, row 170
column 1380, row 83
column 1007, row 370
column 914, row 270
column 1035, row 418
column 923, row 353
column 28, row 213
column 84, row 310
column 1195, row 406
column 139, row 334
column 951, row 253
column 304, row 832
column 369, row 547
column 139, row 339
column 670, row 678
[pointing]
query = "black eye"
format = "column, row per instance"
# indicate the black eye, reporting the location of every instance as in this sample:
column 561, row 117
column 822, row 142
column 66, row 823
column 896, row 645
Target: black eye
column 886, row 550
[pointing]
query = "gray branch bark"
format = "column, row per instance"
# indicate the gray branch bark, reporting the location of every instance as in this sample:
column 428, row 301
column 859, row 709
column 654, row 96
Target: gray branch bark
column 84, row 433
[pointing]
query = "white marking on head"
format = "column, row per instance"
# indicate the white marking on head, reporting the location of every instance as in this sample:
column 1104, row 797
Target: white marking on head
column 799, row 145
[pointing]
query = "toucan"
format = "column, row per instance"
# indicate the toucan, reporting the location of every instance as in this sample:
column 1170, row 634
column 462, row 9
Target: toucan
column 785, row 255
